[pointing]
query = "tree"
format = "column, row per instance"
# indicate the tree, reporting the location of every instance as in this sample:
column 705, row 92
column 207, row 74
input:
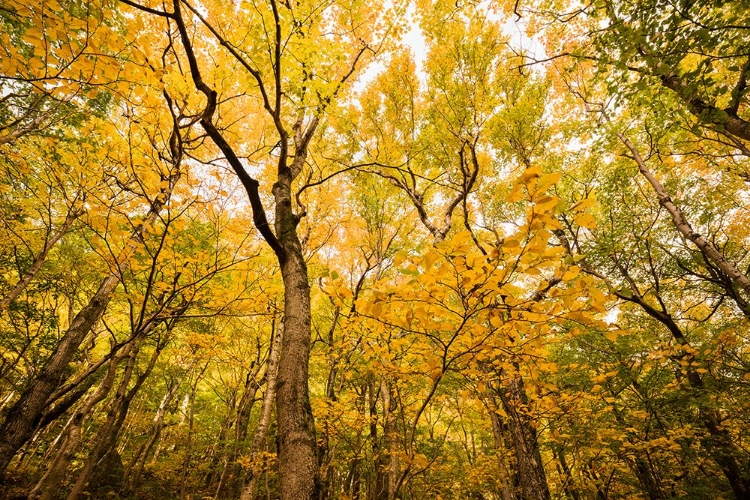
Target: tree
column 341, row 250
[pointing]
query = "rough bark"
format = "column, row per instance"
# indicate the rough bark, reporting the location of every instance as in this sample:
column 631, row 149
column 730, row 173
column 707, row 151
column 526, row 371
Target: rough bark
column 298, row 461
column 530, row 468
column 49, row 484
column 298, row 458
column 25, row 413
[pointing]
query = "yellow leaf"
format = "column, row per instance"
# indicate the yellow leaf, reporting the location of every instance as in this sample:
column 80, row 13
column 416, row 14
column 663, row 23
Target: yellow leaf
column 530, row 174
column 547, row 202
column 585, row 220
column 571, row 273
column 583, row 204
column 547, row 180
column 496, row 321
column 515, row 194
column 511, row 243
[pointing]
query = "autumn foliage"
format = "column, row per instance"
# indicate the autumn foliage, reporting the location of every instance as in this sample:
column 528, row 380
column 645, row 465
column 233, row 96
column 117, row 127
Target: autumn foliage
column 374, row 250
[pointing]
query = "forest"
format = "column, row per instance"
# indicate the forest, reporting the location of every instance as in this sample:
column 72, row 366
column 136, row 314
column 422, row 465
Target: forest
column 352, row 250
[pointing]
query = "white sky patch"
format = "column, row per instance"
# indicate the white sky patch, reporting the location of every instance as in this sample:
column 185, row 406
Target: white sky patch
column 415, row 41
column 612, row 315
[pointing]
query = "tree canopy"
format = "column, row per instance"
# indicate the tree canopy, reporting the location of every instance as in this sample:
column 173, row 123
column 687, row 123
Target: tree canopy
column 347, row 250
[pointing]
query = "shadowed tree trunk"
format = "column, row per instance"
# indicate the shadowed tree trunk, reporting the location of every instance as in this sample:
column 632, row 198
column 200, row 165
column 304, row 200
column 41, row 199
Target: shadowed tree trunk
column 529, row 465
column 25, row 414
column 50, row 483
column 261, row 432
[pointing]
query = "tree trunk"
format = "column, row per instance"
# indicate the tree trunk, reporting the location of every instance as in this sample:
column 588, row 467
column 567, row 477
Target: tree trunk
column 261, row 432
column 26, row 412
column 530, row 469
column 24, row 415
column 298, row 460
column 50, row 483
column 107, row 436
column 100, row 447
column 565, row 473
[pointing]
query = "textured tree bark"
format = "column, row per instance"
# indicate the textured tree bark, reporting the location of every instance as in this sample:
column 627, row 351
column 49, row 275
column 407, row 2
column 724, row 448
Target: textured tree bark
column 532, row 477
column 25, row 413
column 298, row 460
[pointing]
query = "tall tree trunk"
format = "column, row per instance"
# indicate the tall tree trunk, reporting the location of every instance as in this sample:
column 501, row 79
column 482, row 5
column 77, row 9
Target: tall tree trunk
column 261, row 432
column 325, row 452
column 49, row 485
column 103, row 433
column 298, row 459
column 107, row 436
column 24, row 415
column 515, row 402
